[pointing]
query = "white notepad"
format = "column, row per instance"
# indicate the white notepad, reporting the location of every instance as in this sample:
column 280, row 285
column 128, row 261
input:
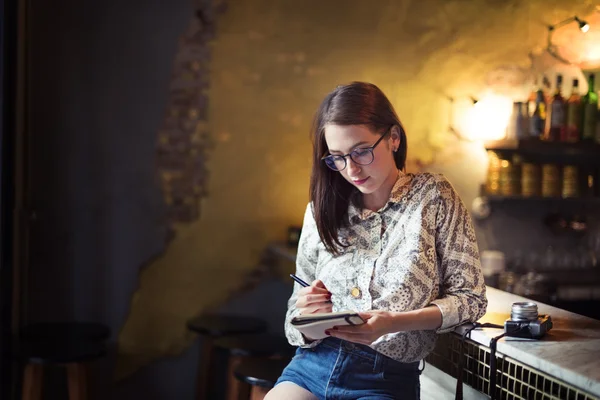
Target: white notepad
column 315, row 325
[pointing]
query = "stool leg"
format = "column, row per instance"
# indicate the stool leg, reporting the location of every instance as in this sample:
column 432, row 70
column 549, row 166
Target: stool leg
column 77, row 380
column 258, row 393
column 32, row 382
column 236, row 389
column 205, row 370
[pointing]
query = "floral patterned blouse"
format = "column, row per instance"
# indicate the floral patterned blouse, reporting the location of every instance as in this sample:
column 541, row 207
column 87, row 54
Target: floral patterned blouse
column 418, row 250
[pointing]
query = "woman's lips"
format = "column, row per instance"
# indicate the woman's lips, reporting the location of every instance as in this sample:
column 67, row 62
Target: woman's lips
column 360, row 181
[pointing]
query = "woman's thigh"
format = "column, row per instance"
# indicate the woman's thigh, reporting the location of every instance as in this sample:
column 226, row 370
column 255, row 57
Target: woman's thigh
column 289, row 391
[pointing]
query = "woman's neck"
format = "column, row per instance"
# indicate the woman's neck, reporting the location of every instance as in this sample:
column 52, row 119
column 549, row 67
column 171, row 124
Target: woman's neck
column 375, row 201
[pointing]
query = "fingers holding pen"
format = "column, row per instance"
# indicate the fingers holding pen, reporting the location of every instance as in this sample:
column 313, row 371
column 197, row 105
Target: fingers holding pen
column 309, row 299
column 314, row 298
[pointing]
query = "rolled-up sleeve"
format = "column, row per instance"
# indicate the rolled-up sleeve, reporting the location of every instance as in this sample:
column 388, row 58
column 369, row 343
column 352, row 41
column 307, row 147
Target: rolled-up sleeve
column 463, row 290
column 306, row 264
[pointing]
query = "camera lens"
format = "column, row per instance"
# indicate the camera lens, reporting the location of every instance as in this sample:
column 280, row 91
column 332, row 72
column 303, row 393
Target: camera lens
column 524, row 311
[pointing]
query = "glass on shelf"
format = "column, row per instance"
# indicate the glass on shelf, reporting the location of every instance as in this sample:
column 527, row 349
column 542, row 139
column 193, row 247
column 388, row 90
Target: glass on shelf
column 535, row 286
column 548, row 260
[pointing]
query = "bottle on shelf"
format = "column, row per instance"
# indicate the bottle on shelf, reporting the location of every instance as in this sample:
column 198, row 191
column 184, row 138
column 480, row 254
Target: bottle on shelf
column 556, row 120
column 590, row 111
column 537, row 115
column 518, row 126
column 533, row 96
column 546, row 89
column 574, row 115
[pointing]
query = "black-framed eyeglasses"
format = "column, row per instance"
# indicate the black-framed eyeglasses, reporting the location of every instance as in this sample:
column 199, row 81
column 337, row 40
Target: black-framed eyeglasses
column 360, row 156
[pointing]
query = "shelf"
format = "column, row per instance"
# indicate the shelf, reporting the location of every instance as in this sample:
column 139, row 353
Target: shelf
column 589, row 276
column 542, row 151
column 500, row 198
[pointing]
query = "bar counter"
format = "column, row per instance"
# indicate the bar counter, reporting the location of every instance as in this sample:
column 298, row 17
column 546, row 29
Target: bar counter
column 570, row 352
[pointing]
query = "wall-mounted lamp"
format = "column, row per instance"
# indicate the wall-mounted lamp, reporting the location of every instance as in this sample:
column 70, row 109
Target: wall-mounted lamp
column 551, row 48
column 583, row 26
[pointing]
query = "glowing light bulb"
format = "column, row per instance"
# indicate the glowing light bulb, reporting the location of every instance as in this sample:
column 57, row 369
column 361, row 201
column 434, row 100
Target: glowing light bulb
column 488, row 118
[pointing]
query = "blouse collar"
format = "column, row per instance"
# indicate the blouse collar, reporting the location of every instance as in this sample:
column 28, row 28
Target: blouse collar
column 399, row 191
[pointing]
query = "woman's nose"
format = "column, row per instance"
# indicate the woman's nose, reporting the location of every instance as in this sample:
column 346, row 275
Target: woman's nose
column 352, row 167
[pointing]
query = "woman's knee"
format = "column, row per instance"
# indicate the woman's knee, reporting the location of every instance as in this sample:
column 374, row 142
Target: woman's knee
column 289, row 391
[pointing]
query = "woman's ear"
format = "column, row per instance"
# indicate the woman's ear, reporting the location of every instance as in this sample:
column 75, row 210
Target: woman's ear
column 395, row 138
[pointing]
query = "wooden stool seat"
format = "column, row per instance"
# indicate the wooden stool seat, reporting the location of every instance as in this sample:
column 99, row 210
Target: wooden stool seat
column 65, row 331
column 69, row 344
column 256, row 345
column 245, row 347
column 60, row 352
column 212, row 327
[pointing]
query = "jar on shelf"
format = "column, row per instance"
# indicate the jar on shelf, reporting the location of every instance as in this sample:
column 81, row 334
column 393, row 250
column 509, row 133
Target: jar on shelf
column 550, row 180
column 510, row 176
column 570, row 181
column 531, row 183
column 492, row 182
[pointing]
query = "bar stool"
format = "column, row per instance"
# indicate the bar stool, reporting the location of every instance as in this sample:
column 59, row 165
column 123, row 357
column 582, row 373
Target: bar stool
column 261, row 374
column 68, row 344
column 214, row 326
column 240, row 348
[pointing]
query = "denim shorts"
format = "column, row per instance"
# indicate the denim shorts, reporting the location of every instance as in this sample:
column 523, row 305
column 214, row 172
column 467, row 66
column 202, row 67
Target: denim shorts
column 337, row 369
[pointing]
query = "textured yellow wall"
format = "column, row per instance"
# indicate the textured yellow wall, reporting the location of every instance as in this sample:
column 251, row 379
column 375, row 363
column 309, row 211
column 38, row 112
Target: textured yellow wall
column 273, row 61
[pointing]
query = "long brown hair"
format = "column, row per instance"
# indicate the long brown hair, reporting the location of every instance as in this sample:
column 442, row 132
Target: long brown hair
column 357, row 103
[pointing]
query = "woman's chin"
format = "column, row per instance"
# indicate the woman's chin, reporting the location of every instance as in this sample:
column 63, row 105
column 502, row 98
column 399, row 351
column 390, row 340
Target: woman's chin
column 364, row 189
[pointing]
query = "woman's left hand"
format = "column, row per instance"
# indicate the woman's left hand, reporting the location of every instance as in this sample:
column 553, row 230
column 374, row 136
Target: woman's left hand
column 378, row 323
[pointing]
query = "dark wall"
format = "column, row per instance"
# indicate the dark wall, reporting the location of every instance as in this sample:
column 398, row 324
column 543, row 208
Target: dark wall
column 100, row 74
column 99, row 79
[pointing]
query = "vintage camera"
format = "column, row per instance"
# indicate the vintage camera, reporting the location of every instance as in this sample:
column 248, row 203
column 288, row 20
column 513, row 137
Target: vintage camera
column 525, row 321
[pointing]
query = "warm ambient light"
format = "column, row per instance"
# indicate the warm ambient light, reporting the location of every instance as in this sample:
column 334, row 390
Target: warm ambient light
column 488, row 118
column 591, row 54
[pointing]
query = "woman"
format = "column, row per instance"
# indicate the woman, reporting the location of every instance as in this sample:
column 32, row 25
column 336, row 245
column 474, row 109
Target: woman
column 398, row 248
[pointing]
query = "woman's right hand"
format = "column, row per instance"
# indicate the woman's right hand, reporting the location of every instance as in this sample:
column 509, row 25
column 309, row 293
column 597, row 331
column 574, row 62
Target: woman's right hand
column 314, row 299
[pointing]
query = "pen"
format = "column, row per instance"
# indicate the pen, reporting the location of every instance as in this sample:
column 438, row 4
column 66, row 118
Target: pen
column 300, row 281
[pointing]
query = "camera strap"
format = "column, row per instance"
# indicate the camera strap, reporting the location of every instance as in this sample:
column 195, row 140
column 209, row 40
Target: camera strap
column 461, row 358
column 493, row 366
